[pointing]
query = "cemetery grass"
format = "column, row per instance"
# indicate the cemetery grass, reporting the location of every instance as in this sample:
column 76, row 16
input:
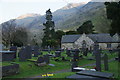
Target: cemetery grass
column 113, row 68
column 28, row 71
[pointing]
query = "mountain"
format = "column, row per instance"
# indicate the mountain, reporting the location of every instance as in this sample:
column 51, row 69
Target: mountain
column 70, row 17
column 73, row 5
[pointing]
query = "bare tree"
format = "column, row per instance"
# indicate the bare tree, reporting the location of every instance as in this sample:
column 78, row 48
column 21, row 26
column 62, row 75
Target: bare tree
column 8, row 30
column 20, row 36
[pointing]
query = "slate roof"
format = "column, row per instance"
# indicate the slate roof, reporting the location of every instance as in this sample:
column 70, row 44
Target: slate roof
column 70, row 38
column 101, row 38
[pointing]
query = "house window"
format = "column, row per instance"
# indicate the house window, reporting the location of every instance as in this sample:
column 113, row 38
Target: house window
column 109, row 45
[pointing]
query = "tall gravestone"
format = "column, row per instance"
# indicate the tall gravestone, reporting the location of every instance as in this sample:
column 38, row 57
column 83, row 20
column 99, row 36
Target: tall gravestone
column 28, row 52
column 22, row 54
column 106, row 62
column 73, row 65
column 76, row 55
column 36, row 51
column 97, row 56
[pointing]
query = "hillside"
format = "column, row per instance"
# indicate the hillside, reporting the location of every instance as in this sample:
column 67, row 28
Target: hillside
column 70, row 17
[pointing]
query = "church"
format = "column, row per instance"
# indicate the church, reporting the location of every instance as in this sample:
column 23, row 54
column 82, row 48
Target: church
column 104, row 40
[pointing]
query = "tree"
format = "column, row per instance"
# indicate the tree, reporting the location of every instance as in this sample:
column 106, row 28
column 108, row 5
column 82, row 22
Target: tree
column 58, row 36
column 49, row 32
column 8, row 30
column 113, row 13
column 21, row 37
column 86, row 27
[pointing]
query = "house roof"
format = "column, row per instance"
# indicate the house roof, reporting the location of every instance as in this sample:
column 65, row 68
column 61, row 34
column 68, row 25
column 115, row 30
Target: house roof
column 69, row 38
column 101, row 38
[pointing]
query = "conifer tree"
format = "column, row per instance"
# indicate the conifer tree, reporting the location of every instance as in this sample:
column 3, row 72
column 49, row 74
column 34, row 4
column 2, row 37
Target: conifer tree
column 49, row 32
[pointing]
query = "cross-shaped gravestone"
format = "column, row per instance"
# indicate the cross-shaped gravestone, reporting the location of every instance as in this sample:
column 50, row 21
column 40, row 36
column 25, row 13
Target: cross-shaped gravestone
column 106, row 62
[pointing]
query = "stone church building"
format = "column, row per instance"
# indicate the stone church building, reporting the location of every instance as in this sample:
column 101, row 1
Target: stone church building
column 105, row 41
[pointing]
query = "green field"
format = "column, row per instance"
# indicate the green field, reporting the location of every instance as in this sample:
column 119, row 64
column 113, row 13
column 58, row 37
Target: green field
column 29, row 69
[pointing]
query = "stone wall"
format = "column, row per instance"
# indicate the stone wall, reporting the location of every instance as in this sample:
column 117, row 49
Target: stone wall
column 67, row 45
column 89, row 42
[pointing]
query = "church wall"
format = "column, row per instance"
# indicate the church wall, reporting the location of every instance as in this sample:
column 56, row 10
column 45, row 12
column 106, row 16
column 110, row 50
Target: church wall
column 67, row 45
column 89, row 42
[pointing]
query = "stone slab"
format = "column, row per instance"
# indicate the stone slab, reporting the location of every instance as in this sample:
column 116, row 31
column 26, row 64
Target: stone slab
column 96, row 74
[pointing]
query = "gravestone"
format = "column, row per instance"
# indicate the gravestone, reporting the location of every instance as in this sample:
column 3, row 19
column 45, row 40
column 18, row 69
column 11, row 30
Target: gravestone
column 76, row 55
column 106, row 62
column 119, row 55
column 7, row 55
column 36, row 51
column 57, row 53
column 97, row 56
column 22, row 54
column 14, row 48
column 40, row 60
column 68, row 52
column 47, row 59
column 73, row 65
column 28, row 52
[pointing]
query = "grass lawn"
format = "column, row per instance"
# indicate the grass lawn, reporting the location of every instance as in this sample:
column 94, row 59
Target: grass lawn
column 112, row 69
column 30, row 71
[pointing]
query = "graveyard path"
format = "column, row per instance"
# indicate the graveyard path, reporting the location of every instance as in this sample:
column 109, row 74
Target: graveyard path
column 69, row 70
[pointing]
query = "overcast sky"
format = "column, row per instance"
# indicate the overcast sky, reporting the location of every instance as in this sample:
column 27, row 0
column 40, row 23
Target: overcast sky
column 11, row 9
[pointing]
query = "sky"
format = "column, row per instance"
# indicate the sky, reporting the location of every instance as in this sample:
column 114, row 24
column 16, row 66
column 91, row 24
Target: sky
column 10, row 9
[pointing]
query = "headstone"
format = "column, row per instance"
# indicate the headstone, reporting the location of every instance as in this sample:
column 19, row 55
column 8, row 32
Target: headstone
column 97, row 56
column 22, row 54
column 47, row 59
column 68, row 52
column 36, row 51
column 40, row 60
column 57, row 53
column 28, row 52
column 106, row 62
column 76, row 55
column 74, row 64
column 14, row 48
column 7, row 55
column 95, row 74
